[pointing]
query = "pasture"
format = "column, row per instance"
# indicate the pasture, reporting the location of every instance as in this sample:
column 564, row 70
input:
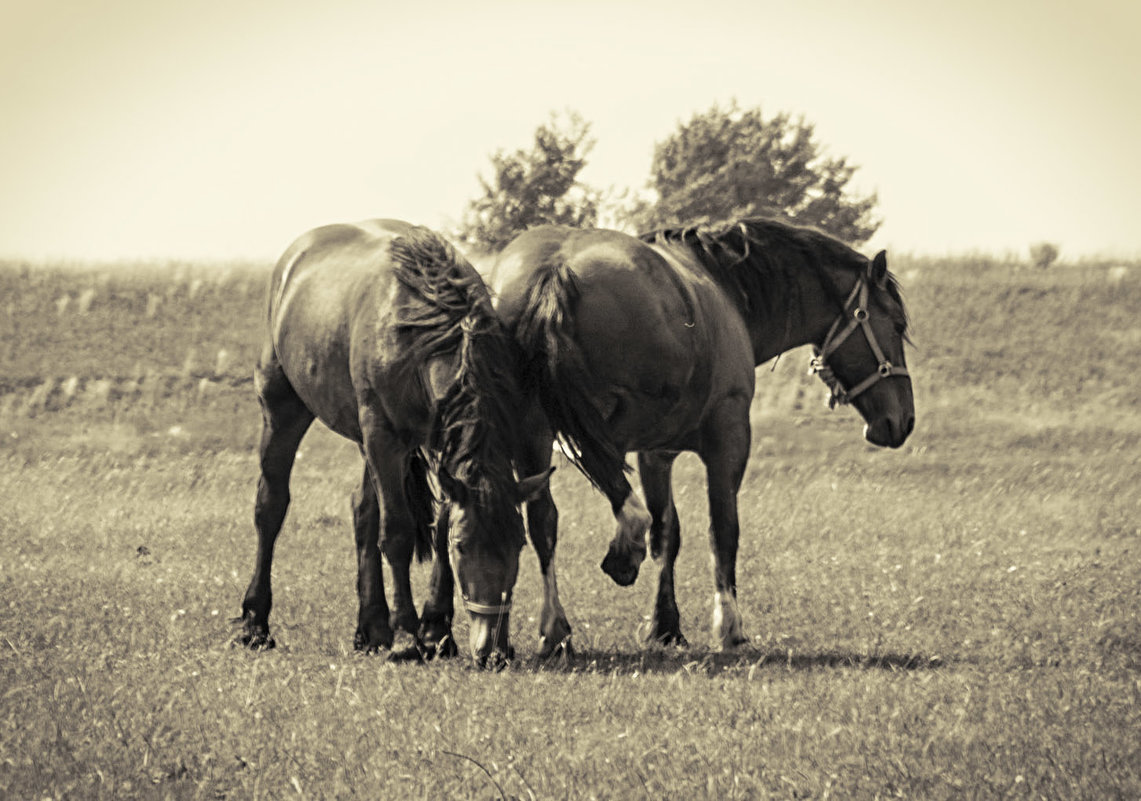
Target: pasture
column 959, row 618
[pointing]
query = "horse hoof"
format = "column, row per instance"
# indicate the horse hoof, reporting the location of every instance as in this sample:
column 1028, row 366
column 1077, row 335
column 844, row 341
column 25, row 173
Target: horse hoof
column 620, row 567
column 554, row 650
column 667, row 639
column 372, row 643
column 733, row 643
column 257, row 641
column 443, row 648
column 253, row 636
column 416, row 652
column 561, row 655
column 446, row 648
column 436, row 638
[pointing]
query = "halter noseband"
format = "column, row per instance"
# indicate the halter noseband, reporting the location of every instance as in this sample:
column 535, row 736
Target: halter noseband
column 476, row 608
column 836, row 336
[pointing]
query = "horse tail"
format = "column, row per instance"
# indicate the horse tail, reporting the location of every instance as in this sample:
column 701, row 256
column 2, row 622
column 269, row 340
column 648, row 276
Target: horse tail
column 554, row 365
column 421, row 503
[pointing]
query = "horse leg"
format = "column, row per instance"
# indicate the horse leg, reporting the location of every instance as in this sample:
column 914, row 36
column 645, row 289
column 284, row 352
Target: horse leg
column 543, row 525
column 655, row 469
column 554, row 628
column 725, row 451
column 436, row 619
column 284, row 422
column 374, row 632
column 628, row 547
column 389, row 465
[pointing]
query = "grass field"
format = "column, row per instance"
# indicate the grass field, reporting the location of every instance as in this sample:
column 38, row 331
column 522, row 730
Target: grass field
column 955, row 619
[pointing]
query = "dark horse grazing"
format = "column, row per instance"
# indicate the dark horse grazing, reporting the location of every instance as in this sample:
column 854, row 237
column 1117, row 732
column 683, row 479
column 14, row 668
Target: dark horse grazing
column 383, row 332
column 650, row 345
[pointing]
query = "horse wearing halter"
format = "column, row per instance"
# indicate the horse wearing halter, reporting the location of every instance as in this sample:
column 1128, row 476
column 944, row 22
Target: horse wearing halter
column 818, row 364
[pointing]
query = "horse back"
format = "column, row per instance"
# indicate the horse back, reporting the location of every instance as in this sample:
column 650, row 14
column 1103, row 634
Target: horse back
column 331, row 301
column 661, row 344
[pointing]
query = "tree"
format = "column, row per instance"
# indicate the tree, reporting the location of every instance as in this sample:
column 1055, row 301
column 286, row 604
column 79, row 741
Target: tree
column 724, row 165
column 536, row 186
column 1043, row 254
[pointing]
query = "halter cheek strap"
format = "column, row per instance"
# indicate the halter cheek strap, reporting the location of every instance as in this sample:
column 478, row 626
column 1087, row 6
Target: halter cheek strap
column 836, row 336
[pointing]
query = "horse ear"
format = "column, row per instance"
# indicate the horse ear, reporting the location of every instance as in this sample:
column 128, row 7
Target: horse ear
column 877, row 270
column 530, row 487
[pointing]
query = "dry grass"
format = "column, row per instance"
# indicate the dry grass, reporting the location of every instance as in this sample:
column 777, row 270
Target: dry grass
column 955, row 619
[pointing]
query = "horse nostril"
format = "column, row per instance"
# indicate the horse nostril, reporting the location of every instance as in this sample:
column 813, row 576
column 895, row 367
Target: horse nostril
column 909, row 425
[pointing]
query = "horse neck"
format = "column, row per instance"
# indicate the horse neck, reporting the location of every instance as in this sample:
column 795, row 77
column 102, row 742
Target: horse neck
column 801, row 316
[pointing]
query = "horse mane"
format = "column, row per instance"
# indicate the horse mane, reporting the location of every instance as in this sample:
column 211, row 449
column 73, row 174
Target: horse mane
column 448, row 311
column 757, row 260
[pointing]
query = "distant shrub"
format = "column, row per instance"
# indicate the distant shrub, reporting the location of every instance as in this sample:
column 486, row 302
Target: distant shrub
column 1043, row 254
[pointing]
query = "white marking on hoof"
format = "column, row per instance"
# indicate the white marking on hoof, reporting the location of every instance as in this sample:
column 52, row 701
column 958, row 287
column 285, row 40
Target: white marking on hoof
column 727, row 620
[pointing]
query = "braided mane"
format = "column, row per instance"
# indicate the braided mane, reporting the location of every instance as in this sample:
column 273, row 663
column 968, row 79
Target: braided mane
column 448, row 312
column 757, row 260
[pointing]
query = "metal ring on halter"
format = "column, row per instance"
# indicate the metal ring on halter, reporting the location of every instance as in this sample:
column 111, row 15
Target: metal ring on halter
column 860, row 313
column 885, row 369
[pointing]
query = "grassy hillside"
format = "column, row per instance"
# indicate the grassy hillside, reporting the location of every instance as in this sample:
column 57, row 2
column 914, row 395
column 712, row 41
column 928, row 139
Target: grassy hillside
column 1031, row 335
column 958, row 618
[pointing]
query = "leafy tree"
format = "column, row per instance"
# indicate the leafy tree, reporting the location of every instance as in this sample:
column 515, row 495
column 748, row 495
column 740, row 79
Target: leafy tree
column 1043, row 254
column 723, row 165
column 536, row 186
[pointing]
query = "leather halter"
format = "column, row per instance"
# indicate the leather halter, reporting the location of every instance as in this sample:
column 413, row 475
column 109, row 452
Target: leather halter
column 476, row 608
column 836, row 336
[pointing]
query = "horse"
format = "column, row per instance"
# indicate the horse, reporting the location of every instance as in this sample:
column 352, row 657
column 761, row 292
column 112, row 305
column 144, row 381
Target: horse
column 382, row 331
column 650, row 344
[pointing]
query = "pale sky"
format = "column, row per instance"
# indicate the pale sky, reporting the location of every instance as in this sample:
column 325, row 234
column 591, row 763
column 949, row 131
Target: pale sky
column 154, row 128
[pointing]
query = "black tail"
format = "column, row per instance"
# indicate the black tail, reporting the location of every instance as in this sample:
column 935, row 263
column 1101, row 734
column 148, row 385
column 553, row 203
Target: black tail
column 554, row 363
column 422, row 504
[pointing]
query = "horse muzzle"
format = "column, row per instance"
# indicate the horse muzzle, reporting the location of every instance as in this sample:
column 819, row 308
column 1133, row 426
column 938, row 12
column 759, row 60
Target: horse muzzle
column 489, row 639
column 889, row 432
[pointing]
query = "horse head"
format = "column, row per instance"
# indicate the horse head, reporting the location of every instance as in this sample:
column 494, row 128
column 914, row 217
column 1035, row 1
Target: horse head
column 861, row 357
column 484, row 539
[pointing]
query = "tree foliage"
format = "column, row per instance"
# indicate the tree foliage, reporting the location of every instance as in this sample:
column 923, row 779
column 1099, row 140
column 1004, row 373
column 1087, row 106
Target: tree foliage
column 726, row 164
column 1043, row 254
column 536, row 186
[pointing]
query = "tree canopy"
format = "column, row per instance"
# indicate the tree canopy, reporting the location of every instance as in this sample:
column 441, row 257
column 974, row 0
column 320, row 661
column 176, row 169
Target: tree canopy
column 725, row 164
column 535, row 186
column 720, row 166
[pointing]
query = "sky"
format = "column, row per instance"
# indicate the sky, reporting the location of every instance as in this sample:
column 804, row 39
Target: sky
column 224, row 129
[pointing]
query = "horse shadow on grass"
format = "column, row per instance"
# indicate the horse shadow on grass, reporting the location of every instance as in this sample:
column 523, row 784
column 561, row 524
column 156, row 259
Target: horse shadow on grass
column 745, row 661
